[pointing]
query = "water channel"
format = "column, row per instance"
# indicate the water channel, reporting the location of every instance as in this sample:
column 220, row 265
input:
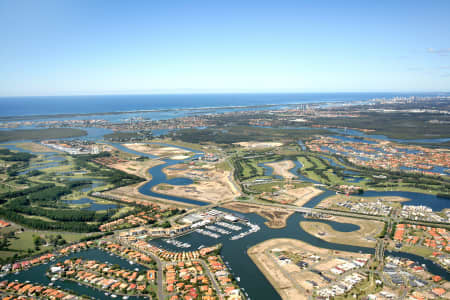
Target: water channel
column 234, row 252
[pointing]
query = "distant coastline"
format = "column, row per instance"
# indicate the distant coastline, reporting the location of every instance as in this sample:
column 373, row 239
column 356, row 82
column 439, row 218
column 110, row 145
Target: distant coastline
column 23, row 108
column 31, row 117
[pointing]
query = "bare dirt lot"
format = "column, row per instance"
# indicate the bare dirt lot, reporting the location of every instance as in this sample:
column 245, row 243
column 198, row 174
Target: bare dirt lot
column 291, row 195
column 330, row 202
column 211, row 184
column 131, row 193
column 276, row 217
column 139, row 168
column 368, row 229
column 291, row 281
column 304, row 194
column 159, row 150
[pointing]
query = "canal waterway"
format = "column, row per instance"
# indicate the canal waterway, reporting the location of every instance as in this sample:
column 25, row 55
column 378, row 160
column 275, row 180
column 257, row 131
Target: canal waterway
column 234, row 252
column 251, row 279
column 37, row 274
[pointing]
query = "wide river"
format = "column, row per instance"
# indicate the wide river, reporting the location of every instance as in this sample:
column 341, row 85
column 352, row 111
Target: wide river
column 234, row 252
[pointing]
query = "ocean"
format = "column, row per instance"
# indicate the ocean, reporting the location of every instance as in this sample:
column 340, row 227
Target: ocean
column 26, row 106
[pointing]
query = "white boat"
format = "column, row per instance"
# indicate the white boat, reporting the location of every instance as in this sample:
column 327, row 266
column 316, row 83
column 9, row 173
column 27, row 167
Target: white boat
column 125, row 297
column 238, row 279
column 131, row 262
column 113, row 296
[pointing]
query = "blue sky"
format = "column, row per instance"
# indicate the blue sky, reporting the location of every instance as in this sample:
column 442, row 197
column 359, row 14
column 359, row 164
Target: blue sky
column 106, row 47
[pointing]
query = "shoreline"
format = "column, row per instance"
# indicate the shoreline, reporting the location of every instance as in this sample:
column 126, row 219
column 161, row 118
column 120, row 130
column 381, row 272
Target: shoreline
column 62, row 115
column 204, row 108
column 277, row 222
column 360, row 237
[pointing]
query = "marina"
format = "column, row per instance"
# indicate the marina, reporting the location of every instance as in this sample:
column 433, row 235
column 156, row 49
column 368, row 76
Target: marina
column 208, row 233
column 177, row 243
column 229, row 226
column 219, row 230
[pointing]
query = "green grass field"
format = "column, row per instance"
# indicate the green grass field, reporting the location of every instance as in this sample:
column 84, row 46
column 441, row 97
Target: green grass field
column 24, row 241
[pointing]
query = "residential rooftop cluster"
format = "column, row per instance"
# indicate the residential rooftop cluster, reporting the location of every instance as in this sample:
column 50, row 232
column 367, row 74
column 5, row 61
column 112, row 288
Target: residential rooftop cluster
column 188, row 280
column 386, row 155
column 154, row 231
column 144, row 247
column 105, row 276
column 342, row 286
column 126, row 252
column 377, row 207
column 404, row 272
column 149, row 216
column 44, row 258
column 28, row 263
column 324, row 275
column 224, row 278
column 20, row 290
column 432, row 237
column 422, row 213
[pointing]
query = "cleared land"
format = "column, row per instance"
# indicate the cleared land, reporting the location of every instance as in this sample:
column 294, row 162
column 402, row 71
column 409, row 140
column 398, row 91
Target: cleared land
column 211, row 184
column 362, row 237
column 276, row 217
column 160, row 151
column 290, row 281
column 303, row 195
column 139, row 168
column 258, row 144
column 330, row 202
column 282, row 168
column 287, row 193
column 131, row 194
